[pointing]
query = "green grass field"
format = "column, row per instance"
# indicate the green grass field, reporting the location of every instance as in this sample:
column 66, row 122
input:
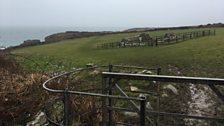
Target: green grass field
column 197, row 57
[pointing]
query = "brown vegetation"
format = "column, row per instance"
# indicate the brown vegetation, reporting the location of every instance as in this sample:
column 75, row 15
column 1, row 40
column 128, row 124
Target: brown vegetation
column 22, row 97
column 20, row 93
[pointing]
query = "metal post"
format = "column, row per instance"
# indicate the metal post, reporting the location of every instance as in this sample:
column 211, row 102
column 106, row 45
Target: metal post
column 159, row 71
column 110, row 99
column 214, row 32
column 158, row 97
column 104, row 120
column 142, row 111
column 66, row 107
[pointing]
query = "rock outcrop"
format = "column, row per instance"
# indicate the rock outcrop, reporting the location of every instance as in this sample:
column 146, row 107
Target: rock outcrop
column 31, row 42
column 71, row 35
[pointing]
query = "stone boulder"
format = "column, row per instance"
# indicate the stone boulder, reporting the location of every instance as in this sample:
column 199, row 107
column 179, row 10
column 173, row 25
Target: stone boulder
column 171, row 88
column 40, row 120
column 2, row 48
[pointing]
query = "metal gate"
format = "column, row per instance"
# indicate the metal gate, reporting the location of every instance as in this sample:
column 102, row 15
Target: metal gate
column 111, row 82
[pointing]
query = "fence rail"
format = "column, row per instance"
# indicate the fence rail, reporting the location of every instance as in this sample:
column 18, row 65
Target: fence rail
column 160, row 40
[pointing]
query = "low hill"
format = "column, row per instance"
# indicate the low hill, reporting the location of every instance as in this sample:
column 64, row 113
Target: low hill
column 141, row 29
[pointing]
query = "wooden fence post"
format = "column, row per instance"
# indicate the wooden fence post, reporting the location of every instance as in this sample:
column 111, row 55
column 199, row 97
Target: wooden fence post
column 156, row 41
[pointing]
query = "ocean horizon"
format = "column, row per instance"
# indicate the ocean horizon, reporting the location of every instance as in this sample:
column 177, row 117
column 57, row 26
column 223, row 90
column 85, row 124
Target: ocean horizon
column 12, row 36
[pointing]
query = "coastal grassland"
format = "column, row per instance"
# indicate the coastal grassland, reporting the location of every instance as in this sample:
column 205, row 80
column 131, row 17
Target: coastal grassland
column 197, row 57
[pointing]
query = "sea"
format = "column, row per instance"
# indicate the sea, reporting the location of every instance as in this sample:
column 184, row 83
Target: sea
column 15, row 35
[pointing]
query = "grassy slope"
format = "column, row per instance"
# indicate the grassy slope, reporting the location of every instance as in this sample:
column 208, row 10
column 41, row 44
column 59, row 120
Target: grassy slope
column 197, row 57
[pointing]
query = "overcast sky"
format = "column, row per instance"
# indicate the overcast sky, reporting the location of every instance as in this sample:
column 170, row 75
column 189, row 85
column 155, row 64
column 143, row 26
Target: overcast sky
column 110, row 13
